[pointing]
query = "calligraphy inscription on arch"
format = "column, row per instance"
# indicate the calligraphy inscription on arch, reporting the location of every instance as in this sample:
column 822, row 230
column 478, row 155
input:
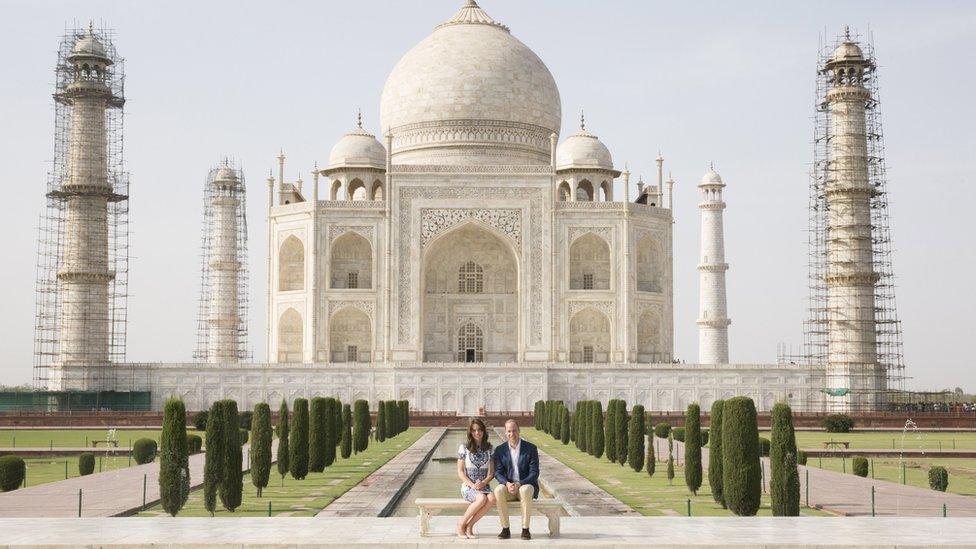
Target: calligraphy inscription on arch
column 434, row 221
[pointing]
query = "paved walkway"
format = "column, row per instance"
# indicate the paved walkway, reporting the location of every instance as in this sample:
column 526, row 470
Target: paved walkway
column 369, row 497
column 106, row 494
column 849, row 494
column 576, row 532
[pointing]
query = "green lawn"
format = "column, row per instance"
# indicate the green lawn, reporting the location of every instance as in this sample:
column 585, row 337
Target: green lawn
column 651, row 496
column 962, row 471
column 75, row 438
column 886, row 440
column 43, row 470
column 305, row 498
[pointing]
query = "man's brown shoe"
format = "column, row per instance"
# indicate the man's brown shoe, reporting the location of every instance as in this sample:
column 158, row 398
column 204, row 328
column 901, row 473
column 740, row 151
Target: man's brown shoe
column 505, row 533
column 526, row 534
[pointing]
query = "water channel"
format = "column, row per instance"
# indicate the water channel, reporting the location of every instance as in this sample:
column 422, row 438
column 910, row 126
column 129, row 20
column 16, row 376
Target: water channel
column 439, row 477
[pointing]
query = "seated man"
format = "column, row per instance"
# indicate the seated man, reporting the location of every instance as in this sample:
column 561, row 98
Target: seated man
column 517, row 473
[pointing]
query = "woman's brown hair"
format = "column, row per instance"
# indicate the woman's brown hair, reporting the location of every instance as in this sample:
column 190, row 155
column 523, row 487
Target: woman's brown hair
column 471, row 444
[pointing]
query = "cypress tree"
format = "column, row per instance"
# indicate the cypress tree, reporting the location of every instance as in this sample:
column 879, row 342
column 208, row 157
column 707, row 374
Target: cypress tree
column 261, row 446
column 361, row 426
column 283, row 439
column 232, row 488
column 318, row 438
column 784, row 478
column 610, row 430
column 406, row 415
column 537, row 416
column 621, row 429
column 346, row 444
column 635, row 439
column 597, row 427
column 651, row 458
column 380, row 421
column 715, row 452
column 564, row 427
column 333, row 433
column 741, row 475
column 215, row 457
column 298, row 444
column 547, row 415
column 174, row 467
column 693, row 457
column 670, row 458
column 390, row 419
column 584, row 434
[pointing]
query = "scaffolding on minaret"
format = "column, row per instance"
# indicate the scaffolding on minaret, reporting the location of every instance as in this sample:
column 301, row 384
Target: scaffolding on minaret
column 83, row 233
column 817, row 327
column 223, row 308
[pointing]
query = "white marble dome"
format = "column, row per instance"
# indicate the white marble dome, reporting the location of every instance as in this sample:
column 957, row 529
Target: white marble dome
column 358, row 148
column 711, row 177
column 225, row 173
column 583, row 150
column 89, row 46
column 847, row 51
column 471, row 92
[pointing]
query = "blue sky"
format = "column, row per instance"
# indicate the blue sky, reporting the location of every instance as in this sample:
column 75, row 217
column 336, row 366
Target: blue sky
column 729, row 82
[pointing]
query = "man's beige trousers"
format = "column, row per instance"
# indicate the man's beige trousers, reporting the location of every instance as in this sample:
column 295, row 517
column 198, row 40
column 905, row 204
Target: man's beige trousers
column 524, row 495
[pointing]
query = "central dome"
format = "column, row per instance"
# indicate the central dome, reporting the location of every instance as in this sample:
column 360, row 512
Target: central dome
column 470, row 93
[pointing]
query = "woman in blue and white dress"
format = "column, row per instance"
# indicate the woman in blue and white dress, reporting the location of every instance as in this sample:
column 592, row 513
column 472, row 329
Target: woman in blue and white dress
column 475, row 468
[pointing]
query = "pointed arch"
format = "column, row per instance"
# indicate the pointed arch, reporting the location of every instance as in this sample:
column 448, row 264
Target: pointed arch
column 351, row 262
column 589, row 336
column 336, row 189
column 606, row 191
column 584, row 191
column 291, row 265
column 563, row 193
column 377, row 191
column 470, row 343
column 356, row 190
column 350, row 335
column 290, row 336
column 589, row 263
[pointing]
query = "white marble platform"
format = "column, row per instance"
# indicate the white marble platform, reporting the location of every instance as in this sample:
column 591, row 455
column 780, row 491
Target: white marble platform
column 576, row 532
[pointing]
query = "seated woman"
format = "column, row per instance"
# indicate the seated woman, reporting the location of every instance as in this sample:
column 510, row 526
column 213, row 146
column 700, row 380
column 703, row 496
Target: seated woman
column 475, row 468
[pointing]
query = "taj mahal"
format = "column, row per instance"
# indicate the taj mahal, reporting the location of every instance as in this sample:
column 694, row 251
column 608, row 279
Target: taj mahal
column 470, row 254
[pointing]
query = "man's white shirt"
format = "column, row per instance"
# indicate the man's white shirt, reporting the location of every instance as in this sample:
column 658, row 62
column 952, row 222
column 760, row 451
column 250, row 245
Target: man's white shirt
column 515, row 455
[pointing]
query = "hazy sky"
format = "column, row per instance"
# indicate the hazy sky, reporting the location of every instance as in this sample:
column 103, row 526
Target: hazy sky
column 730, row 82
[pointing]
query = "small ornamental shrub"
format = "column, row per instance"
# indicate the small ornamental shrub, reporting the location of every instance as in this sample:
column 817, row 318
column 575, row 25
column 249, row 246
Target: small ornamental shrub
column 678, row 433
column 860, row 466
column 261, row 447
column 741, row 474
column 174, row 467
column 635, row 439
column 283, row 439
column 838, row 423
column 693, row 444
column 784, row 479
column 317, row 436
column 361, row 426
column 12, row 472
column 564, row 427
column 801, row 457
column 86, row 464
column 764, row 445
column 704, row 437
column 246, row 418
column 194, row 443
column 938, row 478
column 200, row 420
column 715, row 453
column 662, row 430
column 298, row 443
column 144, row 450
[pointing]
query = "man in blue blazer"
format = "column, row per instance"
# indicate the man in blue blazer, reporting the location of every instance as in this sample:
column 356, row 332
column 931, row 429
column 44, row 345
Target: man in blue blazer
column 517, row 473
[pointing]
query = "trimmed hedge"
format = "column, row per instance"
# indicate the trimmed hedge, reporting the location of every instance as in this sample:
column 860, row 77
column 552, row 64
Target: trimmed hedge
column 704, row 437
column 361, row 426
column 635, row 439
column 214, row 459
column 86, row 464
column 246, row 419
column 860, row 466
column 662, row 430
column 232, row 487
column 12, row 472
column 938, row 478
column 144, row 450
column 784, row 478
column 764, row 446
column 801, row 457
column 298, row 443
column 283, row 453
column 678, row 433
column 261, row 447
column 194, row 443
column 200, row 420
column 715, row 453
column 838, row 423
column 741, row 474
column 243, row 435
column 317, row 436
column 693, row 444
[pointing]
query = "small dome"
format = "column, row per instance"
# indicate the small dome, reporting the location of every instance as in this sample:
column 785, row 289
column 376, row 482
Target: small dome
column 847, row 51
column 358, row 149
column 89, row 46
column 711, row 178
column 225, row 173
column 583, row 150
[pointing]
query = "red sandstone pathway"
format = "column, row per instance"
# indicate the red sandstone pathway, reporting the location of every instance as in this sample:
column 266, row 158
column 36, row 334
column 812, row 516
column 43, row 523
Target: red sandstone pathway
column 849, row 494
column 106, row 494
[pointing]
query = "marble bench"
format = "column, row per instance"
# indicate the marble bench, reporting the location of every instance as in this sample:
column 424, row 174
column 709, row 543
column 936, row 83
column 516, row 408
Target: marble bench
column 428, row 507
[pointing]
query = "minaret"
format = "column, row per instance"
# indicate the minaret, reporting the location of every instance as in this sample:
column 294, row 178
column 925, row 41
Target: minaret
column 224, row 328
column 852, row 353
column 85, row 272
column 713, row 321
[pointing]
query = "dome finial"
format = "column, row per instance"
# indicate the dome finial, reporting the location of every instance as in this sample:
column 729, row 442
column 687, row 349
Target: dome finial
column 711, row 165
column 847, row 32
column 471, row 4
column 359, row 118
column 582, row 121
